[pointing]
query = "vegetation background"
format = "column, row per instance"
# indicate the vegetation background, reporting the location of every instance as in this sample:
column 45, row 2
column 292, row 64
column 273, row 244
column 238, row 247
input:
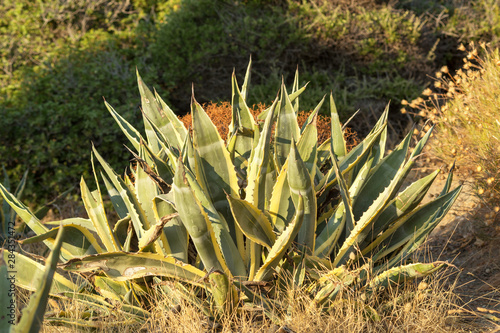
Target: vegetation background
column 59, row 59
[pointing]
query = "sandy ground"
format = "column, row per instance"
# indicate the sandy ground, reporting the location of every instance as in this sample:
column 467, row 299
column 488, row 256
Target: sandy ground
column 471, row 244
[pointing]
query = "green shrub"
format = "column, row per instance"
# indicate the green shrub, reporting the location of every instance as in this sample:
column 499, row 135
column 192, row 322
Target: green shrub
column 57, row 117
column 465, row 108
column 365, row 52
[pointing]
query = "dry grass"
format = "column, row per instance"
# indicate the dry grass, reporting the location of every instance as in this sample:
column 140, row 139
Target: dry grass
column 424, row 306
column 465, row 108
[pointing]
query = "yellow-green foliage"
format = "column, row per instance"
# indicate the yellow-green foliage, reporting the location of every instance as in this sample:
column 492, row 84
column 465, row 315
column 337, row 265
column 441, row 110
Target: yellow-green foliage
column 465, row 109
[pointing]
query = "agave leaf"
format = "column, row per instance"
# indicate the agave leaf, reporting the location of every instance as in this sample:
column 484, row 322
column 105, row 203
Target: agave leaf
column 188, row 154
column 174, row 124
column 346, row 197
column 362, row 226
column 122, row 266
column 177, row 291
column 331, row 233
column 287, row 129
column 421, row 144
column 271, row 177
column 196, row 221
column 323, row 152
column 313, row 115
column 405, row 202
column 116, row 199
column 110, row 288
column 412, row 230
column 36, row 271
column 224, row 292
column 332, row 282
column 214, row 169
column 86, row 223
column 449, row 180
column 329, row 236
column 24, row 213
column 155, row 234
column 295, row 94
column 246, row 82
column 134, row 209
column 301, row 185
column 282, row 244
column 146, row 190
column 7, row 299
column 403, row 273
column 381, row 176
column 95, row 209
column 174, row 230
column 308, row 145
column 295, row 87
column 77, row 241
column 252, row 221
column 32, row 317
column 159, row 171
column 160, row 118
column 257, row 169
column 101, row 304
column 9, row 213
column 233, row 254
column 130, row 132
column 242, row 121
column 348, row 163
column 337, row 143
column 281, row 207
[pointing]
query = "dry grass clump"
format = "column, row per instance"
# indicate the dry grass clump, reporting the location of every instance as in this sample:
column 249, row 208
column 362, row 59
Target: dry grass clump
column 465, row 108
column 417, row 307
column 424, row 306
column 220, row 114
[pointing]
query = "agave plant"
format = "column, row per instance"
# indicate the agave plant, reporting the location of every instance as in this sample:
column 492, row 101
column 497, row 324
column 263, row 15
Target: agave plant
column 203, row 215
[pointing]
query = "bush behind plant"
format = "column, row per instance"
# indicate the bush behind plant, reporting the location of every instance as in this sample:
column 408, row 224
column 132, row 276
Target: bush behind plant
column 56, row 55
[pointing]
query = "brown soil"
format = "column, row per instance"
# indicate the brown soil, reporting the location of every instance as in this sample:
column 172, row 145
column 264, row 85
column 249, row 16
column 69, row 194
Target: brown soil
column 471, row 244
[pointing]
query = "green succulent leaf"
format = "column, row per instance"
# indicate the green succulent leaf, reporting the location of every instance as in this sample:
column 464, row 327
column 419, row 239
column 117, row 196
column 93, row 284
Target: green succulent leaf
column 252, row 221
column 196, row 222
column 32, row 281
column 337, row 143
column 128, row 198
column 301, row 185
column 95, row 210
column 287, row 129
column 404, row 273
column 32, row 317
column 282, row 244
column 122, row 266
